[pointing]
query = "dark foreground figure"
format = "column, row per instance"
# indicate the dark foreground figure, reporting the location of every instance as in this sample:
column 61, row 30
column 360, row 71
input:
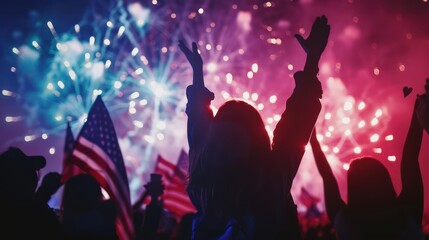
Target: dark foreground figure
column 240, row 182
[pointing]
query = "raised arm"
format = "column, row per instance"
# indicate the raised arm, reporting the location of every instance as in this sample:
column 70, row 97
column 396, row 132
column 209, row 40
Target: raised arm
column 315, row 44
column 199, row 97
column 412, row 185
column 333, row 201
column 302, row 108
column 423, row 108
column 194, row 58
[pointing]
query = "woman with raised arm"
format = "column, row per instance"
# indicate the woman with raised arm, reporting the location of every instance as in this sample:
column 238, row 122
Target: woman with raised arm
column 239, row 182
column 373, row 210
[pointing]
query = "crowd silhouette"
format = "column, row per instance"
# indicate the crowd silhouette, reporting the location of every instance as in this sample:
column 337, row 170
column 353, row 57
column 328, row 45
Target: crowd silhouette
column 23, row 211
column 373, row 210
column 239, row 181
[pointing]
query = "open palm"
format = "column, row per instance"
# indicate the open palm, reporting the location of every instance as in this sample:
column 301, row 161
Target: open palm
column 194, row 58
column 318, row 38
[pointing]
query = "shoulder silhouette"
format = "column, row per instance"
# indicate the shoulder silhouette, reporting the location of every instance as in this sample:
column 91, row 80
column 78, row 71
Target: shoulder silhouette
column 23, row 214
column 85, row 215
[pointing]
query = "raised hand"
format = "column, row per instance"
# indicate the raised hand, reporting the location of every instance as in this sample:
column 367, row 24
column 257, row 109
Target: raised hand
column 194, row 58
column 154, row 189
column 333, row 199
column 423, row 108
column 412, row 183
column 318, row 38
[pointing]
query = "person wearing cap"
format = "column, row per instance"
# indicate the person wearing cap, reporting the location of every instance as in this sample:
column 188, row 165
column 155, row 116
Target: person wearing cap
column 23, row 214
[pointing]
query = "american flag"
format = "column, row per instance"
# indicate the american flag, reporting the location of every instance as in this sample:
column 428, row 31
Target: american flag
column 97, row 152
column 183, row 161
column 69, row 169
column 308, row 200
column 175, row 198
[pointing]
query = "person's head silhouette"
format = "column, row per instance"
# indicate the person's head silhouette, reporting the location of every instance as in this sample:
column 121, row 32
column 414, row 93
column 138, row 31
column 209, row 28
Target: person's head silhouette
column 85, row 214
column 241, row 114
column 19, row 173
column 81, row 193
column 369, row 186
column 237, row 142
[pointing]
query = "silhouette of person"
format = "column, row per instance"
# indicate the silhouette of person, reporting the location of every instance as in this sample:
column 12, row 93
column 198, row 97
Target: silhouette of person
column 51, row 182
column 373, row 210
column 85, row 215
column 153, row 211
column 22, row 214
column 240, row 182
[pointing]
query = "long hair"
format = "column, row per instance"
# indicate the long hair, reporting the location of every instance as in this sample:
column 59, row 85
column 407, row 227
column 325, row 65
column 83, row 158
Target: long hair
column 227, row 172
column 81, row 193
column 373, row 209
column 370, row 188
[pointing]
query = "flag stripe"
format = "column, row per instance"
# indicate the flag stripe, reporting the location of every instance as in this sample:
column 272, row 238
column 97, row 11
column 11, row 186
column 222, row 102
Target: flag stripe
column 94, row 153
column 94, row 168
column 165, row 168
column 183, row 207
column 177, row 179
column 102, row 155
column 178, row 208
column 168, row 164
column 69, row 169
column 177, row 188
column 97, row 166
column 175, row 198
